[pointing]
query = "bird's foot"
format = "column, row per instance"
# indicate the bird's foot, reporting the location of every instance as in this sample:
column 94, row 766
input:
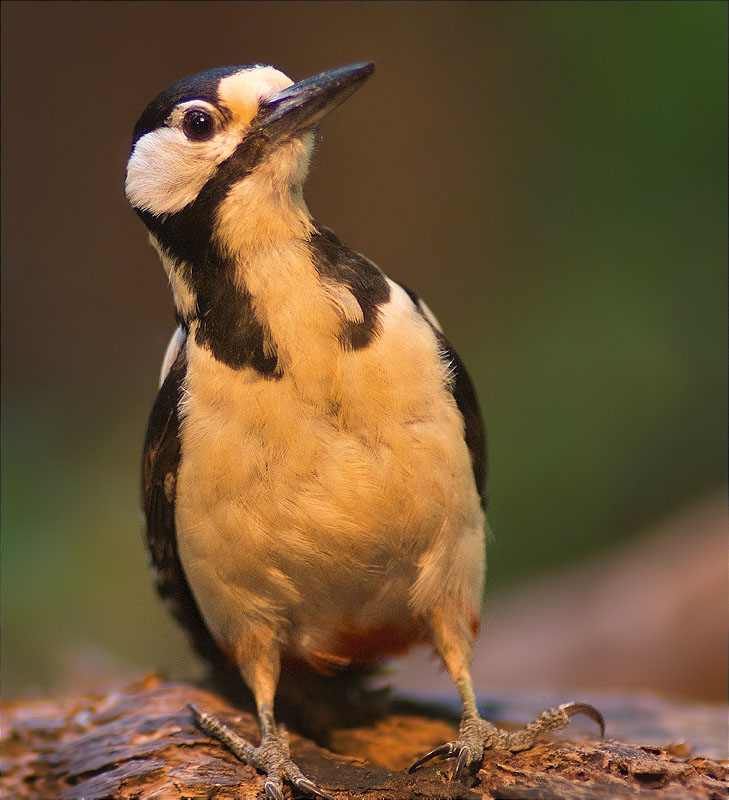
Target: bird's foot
column 476, row 735
column 271, row 757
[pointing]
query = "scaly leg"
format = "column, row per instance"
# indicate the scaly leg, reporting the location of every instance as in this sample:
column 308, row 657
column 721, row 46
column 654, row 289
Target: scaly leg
column 452, row 640
column 272, row 756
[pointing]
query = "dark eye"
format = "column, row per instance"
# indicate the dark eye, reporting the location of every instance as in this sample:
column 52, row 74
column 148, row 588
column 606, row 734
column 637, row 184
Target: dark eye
column 198, row 125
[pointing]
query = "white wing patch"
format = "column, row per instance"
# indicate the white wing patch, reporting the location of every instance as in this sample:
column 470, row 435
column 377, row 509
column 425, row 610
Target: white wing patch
column 397, row 291
column 173, row 348
column 429, row 315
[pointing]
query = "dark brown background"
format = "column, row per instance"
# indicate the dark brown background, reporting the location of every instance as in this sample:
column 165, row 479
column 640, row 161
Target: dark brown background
column 551, row 177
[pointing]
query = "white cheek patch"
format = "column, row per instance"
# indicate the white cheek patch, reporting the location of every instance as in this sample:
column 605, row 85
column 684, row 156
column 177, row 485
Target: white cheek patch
column 166, row 170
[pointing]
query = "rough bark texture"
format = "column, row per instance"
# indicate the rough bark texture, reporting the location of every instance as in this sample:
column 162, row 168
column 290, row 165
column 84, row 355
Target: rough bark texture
column 140, row 742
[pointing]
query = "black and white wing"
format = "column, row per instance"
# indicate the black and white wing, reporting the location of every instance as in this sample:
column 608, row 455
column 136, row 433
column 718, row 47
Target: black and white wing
column 465, row 396
column 159, row 482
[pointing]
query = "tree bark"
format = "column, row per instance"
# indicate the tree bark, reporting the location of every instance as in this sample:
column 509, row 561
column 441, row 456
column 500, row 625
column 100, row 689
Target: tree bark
column 141, row 742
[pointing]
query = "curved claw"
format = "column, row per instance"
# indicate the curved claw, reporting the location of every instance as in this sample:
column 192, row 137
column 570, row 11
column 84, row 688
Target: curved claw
column 461, row 764
column 197, row 712
column 443, row 750
column 271, row 757
column 307, row 786
column 272, row 787
column 572, row 709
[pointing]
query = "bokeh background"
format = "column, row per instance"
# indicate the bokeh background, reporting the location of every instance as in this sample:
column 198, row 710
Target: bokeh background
column 551, row 177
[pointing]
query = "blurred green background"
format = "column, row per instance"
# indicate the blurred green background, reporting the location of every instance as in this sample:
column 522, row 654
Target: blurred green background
column 550, row 177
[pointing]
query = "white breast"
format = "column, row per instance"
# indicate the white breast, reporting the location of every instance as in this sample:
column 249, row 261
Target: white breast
column 300, row 507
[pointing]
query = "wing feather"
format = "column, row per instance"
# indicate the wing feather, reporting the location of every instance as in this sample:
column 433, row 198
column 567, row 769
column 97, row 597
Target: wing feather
column 465, row 397
column 159, row 478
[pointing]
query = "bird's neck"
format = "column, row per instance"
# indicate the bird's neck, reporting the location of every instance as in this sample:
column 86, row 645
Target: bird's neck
column 259, row 301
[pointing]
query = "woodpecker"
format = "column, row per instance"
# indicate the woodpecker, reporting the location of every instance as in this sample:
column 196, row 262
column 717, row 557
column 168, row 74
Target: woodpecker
column 314, row 465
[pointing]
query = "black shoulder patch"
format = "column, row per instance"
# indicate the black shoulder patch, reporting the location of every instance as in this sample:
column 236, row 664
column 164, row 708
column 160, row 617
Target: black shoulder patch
column 203, row 86
column 160, row 464
column 338, row 263
column 465, row 396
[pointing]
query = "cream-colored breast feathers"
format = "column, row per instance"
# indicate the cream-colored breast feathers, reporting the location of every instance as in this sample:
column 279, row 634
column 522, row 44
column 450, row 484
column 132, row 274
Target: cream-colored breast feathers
column 354, row 493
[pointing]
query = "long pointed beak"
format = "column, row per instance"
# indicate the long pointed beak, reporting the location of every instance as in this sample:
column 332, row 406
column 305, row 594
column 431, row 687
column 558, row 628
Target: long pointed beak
column 302, row 105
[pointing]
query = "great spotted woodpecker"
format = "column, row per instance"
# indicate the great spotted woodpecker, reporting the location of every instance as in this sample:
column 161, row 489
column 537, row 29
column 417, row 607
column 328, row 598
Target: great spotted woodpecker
column 314, row 467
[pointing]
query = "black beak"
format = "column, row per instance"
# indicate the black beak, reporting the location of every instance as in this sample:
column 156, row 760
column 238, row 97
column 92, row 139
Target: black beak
column 302, row 105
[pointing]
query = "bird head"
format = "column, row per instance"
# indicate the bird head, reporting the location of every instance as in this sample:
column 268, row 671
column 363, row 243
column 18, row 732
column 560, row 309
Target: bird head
column 206, row 134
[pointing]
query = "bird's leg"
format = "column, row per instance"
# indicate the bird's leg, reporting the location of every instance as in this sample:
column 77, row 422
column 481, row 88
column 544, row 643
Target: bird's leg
column 453, row 641
column 272, row 755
